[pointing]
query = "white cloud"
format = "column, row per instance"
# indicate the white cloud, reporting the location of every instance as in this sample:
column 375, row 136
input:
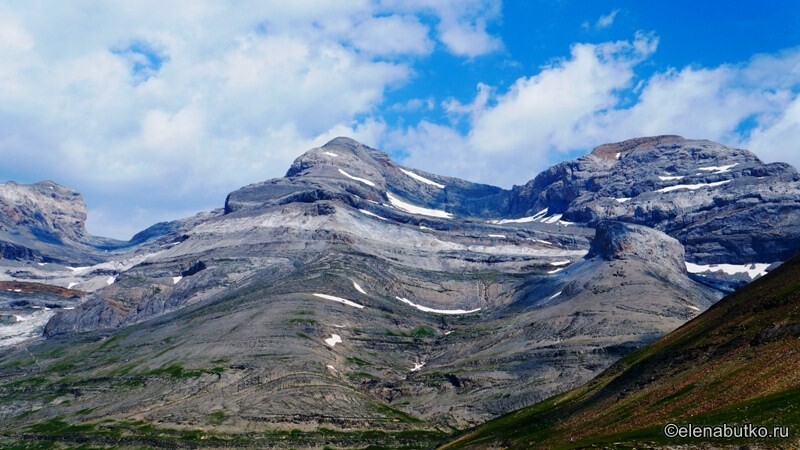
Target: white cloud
column 415, row 104
column 392, row 35
column 606, row 20
column 542, row 111
column 467, row 39
column 473, row 109
column 14, row 40
column 462, row 24
column 162, row 103
column 512, row 135
column 780, row 140
column 595, row 96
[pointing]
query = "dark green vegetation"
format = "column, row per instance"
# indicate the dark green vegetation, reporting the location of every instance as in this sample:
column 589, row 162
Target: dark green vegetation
column 57, row 433
column 738, row 363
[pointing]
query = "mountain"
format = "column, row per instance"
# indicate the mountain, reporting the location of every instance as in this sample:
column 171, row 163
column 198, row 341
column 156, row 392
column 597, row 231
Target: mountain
column 355, row 294
column 712, row 198
column 735, row 364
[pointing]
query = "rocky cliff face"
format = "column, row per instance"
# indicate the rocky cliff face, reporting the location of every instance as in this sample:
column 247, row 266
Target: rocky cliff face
column 723, row 204
column 55, row 213
column 46, row 222
column 619, row 240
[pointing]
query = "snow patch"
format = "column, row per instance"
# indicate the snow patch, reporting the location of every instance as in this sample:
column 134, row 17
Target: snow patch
column 436, row 311
column 541, row 213
column 418, row 366
column 369, row 213
column 533, row 218
column 693, row 187
column 42, row 264
column 361, row 180
column 555, row 295
column 501, row 236
column 176, row 279
column 340, row 300
column 670, row 178
column 111, row 280
column 331, row 154
column 422, row 179
column 718, row 169
column 358, row 288
column 556, row 270
column 24, row 328
column 413, row 209
column 333, row 340
column 623, row 200
column 552, row 219
column 72, row 285
column 618, row 155
column 752, row 270
column 560, row 263
column 423, row 227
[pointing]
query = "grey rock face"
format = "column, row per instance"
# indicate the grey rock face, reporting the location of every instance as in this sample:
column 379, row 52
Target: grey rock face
column 46, row 222
column 317, row 175
column 723, row 204
column 619, row 240
column 58, row 213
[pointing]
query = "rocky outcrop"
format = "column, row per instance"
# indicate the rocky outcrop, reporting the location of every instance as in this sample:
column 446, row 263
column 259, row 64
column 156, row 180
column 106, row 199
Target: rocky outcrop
column 619, row 240
column 55, row 212
column 46, row 222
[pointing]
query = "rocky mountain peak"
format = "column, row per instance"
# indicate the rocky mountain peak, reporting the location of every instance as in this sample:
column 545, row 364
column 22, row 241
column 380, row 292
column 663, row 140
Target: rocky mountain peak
column 344, row 169
column 337, row 156
column 616, row 150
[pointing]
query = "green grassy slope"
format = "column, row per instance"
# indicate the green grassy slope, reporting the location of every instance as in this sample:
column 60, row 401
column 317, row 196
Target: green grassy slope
column 738, row 363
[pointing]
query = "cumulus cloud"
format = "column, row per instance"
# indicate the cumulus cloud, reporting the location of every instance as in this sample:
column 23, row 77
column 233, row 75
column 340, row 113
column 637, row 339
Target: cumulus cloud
column 518, row 129
column 461, row 24
column 595, row 96
column 167, row 112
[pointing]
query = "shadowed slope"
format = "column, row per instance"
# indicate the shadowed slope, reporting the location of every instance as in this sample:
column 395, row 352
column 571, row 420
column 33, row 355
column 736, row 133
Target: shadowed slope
column 737, row 363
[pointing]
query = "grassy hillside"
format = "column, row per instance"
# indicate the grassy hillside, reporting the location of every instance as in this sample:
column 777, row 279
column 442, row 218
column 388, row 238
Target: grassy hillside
column 738, row 363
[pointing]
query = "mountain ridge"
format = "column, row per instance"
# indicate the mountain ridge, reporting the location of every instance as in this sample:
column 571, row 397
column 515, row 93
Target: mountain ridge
column 354, row 284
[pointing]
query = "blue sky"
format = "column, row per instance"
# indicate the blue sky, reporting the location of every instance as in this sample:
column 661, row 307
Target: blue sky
column 156, row 110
